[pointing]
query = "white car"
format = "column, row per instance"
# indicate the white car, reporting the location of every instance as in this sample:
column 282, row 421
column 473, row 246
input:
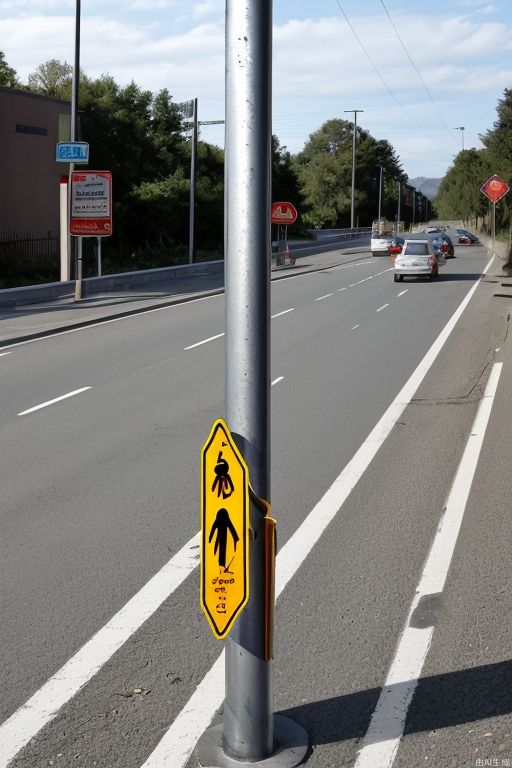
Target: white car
column 379, row 244
column 418, row 259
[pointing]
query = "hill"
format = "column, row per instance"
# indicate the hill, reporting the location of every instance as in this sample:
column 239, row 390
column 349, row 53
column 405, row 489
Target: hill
column 427, row 187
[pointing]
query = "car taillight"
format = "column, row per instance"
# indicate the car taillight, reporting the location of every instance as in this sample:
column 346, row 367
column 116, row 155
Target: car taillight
column 445, row 247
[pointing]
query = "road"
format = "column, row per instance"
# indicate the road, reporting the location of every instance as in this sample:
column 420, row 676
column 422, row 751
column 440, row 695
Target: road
column 102, row 431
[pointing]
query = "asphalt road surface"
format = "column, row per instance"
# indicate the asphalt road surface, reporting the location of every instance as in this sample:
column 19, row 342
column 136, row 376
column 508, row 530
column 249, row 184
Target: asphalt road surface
column 101, row 433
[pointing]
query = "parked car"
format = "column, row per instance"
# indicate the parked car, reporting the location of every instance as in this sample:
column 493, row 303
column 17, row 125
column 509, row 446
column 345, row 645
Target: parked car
column 418, row 259
column 396, row 245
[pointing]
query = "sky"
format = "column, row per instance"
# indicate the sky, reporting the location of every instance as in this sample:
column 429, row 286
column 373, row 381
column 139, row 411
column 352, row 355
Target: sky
column 419, row 71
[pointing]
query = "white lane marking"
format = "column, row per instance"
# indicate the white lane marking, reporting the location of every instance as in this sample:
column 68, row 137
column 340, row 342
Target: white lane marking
column 381, row 742
column 276, row 381
column 320, row 298
column 383, row 307
column 204, row 341
column 220, row 335
column 175, row 748
column 2, row 354
column 354, row 327
column 191, row 722
column 402, row 293
column 111, row 320
column 341, row 289
column 55, row 400
column 44, row 705
column 280, row 314
column 352, row 285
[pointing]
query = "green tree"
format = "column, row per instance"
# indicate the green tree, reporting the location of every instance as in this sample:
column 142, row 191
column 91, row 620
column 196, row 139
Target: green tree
column 8, row 76
column 53, row 78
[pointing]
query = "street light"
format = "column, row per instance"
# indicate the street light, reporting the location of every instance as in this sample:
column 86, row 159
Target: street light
column 461, row 129
column 355, row 111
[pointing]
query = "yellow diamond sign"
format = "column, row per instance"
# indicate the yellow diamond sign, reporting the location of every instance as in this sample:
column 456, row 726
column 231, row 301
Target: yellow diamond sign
column 224, row 530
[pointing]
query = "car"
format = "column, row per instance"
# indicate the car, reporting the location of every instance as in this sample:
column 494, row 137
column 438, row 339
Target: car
column 396, row 245
column 467, row 236
column 448, row 249
column 418, row 259
column 432, row 230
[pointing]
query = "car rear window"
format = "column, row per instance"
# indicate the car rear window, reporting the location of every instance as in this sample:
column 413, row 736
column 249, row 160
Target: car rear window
column 417, row 249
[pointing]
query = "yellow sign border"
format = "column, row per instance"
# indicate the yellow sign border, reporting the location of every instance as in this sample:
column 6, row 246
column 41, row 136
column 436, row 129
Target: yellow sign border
column 221, row 424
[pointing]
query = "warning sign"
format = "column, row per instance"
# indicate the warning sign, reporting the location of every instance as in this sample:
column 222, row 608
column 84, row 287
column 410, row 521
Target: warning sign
column 224, row 530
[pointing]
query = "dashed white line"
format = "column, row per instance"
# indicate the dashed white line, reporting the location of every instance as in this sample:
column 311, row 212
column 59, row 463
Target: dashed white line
column 204, row 341
column 354, row 327
column 341, row 289
column 402, row 293
column 352, row 285
column 276, row 381
column 320, row 298
column 285, row 312
column 55, row 400
column 383, row 307
column 381, row 742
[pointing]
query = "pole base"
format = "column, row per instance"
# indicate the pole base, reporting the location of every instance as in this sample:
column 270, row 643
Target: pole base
column 292, row 744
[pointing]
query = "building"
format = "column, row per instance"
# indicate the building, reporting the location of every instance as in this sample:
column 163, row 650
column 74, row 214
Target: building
column 29, row 175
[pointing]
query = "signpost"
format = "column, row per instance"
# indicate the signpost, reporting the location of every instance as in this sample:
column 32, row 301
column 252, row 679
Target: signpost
column 283, row 214
column 224, row 530
column 72, row 152
column 494, row 189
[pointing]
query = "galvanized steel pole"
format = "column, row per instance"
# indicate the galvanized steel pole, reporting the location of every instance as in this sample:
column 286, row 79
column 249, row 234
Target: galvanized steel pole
column 250, row 733
column 352, row 202
column 193, row 180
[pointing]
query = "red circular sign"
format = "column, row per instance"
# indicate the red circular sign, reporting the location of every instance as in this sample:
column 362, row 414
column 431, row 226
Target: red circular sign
column 283, row 213
column 495, row 188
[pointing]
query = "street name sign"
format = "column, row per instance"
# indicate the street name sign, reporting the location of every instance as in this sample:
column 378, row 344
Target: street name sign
column 283, row 213
column 91, row 203
column 224, row 530
column 495, row 188
column 72, row 152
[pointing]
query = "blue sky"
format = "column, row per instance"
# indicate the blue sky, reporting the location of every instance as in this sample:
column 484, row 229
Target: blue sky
column 461, row 51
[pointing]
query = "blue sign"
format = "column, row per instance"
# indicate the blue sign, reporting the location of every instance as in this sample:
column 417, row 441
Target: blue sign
column 72, row 152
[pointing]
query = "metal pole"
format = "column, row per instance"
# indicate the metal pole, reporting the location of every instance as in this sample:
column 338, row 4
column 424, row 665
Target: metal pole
column 493, row 230
column 352, row 203
column 399, row 205
column 99, row 239
column 193, row 178
column 250, row 732
column 74, row 110
column 380, row 189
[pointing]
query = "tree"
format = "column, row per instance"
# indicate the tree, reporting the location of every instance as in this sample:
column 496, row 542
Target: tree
column 53, row 78
column 8, row 76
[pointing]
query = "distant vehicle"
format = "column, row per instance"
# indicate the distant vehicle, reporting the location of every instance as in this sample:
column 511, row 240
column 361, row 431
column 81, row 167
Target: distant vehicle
column 396, row 245
column 432, row 230
column 468, row 237
column 382, row 235
column 448, row 249
column 418, row 259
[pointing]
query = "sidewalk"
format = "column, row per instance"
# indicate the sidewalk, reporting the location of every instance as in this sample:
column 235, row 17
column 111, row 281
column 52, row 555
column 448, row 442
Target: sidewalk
column 22, row 323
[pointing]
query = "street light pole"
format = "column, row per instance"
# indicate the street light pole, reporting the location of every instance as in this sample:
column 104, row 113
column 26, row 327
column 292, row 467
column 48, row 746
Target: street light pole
column 380, row 189
column 461, row 129
column 74, row 136
column 352, row 203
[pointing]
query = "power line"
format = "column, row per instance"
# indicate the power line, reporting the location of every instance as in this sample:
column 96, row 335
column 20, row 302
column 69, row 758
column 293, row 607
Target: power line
column 427, row 91
column 386, row 86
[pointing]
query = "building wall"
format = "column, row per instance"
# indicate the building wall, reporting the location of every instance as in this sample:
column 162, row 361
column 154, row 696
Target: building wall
column 29, row 175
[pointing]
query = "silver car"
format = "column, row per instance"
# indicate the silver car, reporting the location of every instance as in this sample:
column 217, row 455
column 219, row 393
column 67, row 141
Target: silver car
column 419, row 258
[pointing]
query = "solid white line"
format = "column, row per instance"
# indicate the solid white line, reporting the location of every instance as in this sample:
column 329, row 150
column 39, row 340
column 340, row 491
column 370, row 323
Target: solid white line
column 354, row 327
column 43, row 706
column 402, row 293
column 280, row 314
column 204, row 341
column 2, row 354
column 276, row 381
column 55, row 400
column 175, row 748
column 381, row 742
column 111, row 320
column 383, row 307
column 191, row 722
column 324, row 297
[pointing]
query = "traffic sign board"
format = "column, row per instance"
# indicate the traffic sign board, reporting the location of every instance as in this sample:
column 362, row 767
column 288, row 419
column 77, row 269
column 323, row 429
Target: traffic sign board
column 72, row 152
column 91, row 203
column 224, row 530
column 283, row 213
column 495, row 188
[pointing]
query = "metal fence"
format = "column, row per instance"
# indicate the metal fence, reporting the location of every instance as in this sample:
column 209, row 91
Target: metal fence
column 26, row 247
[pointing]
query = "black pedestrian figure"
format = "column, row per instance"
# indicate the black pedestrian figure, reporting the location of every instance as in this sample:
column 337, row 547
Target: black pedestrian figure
column 223, row 481
column 222, row 525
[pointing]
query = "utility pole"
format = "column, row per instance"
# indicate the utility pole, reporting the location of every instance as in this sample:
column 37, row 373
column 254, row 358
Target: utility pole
column 352, row 204
column 250, row 734
column 380, row 188
column 461, row 129
column 74, row 137
column 399, row 205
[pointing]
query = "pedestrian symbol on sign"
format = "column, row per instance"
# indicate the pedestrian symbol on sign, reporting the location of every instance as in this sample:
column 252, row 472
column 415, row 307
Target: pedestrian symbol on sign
column 222, row 526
